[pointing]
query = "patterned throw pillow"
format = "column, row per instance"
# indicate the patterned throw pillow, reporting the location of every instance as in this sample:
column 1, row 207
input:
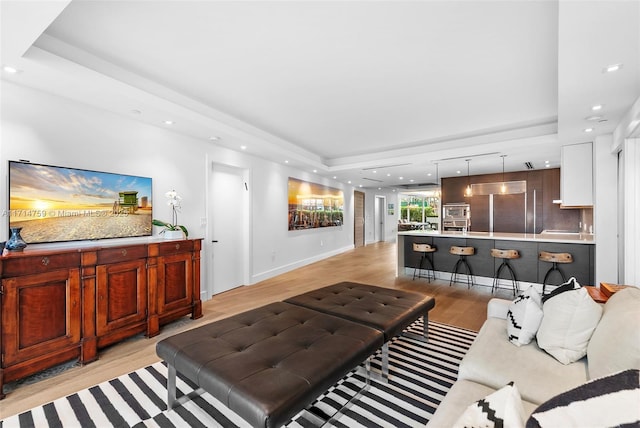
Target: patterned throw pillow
column 502, row 408
column 610, row 401
column 524, row 317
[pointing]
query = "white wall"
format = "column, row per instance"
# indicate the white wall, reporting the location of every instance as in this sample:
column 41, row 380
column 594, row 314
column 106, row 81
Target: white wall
column 631, row 238
column 605, row 211
column 48, row 129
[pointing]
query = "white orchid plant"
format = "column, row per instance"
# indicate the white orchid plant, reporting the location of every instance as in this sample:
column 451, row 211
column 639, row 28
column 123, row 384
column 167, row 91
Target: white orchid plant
column 174, row 201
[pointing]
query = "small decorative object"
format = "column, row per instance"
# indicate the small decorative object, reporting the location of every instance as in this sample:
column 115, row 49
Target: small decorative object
column 172, row 230
column 15, row 242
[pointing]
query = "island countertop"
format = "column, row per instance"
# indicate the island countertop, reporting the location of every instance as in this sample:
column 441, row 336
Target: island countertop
column 567, row 238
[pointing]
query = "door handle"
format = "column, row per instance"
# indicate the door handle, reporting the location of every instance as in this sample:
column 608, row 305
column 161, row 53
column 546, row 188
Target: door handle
column 214, row 241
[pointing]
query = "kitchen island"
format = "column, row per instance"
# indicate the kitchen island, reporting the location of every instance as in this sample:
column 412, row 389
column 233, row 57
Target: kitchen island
column 529, row 270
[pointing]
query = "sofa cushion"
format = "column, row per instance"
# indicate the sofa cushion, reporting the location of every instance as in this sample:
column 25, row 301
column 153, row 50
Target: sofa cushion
column 462, row 394
column 568, row 323
column 494, row 362
column 524, row 317
column 500, row 408
column 615, row 343
column 610, row 401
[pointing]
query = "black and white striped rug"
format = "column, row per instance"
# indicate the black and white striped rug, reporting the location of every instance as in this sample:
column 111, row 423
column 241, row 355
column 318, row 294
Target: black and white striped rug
column 420, row 376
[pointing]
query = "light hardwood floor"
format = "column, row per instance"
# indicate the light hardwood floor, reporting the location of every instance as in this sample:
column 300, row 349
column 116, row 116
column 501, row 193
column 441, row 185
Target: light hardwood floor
column 372, row 264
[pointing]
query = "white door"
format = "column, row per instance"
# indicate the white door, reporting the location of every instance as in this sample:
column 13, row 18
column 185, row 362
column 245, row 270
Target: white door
column 379, row 216
column 229, row 231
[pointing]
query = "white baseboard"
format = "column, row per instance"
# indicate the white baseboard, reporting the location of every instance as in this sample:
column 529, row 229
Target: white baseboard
column 297, row 264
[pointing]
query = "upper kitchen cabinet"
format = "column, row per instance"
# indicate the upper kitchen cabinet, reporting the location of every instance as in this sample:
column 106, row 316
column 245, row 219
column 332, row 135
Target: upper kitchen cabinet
column 576, row 176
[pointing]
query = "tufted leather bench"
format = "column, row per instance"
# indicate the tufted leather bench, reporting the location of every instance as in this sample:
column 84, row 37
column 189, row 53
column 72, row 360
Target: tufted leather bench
column 387, row 310
column 269, row 363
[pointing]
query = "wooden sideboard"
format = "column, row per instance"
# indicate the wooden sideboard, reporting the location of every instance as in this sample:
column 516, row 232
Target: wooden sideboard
column 68, row 303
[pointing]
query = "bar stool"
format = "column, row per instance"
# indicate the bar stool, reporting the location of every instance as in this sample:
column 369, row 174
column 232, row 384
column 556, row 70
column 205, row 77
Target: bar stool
column 426, row 250
column 463, row 252
column 554, row 258
column 505, row 255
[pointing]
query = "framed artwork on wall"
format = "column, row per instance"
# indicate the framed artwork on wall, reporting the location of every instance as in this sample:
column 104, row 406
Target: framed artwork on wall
column 313, row 205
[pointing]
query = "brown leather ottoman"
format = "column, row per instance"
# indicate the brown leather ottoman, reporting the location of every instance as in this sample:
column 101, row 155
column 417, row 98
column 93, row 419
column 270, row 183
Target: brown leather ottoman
column 269, row 363
column 387, row 310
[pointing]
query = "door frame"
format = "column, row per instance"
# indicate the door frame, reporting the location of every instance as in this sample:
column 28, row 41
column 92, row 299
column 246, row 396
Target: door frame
column 355, row 219
column 380, row 218
column 245, row 223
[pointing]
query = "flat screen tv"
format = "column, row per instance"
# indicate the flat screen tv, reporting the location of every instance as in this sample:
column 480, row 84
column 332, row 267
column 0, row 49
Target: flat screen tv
column 55, row 204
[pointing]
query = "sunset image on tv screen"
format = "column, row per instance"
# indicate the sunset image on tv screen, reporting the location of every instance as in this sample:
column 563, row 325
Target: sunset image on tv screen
column 53, row 204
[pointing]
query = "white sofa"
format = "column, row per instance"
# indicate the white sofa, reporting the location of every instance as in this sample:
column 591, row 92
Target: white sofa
column 493, row 361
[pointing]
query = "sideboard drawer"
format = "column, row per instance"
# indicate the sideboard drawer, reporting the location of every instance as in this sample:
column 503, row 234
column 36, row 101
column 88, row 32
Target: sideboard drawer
column 174, row 247
column 121, row 254
column 18, row 264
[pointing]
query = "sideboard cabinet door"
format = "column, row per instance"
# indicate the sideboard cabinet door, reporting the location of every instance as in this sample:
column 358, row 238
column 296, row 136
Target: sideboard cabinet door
column 175, row 285
column 121, row 300
column 40, row 317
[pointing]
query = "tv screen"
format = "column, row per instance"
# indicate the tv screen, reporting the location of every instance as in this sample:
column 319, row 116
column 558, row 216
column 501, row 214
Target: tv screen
column 55, row 204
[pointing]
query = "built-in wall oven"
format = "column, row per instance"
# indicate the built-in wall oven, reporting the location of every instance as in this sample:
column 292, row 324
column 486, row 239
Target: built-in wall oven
column 456, row 217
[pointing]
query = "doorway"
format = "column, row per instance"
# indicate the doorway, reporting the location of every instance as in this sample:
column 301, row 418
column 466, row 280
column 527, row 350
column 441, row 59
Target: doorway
column 228, row 210
column 358, row 219
column 379, row 218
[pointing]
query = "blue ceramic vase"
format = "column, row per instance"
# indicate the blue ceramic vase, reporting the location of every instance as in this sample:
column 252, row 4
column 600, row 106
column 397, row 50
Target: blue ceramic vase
column 15, row 242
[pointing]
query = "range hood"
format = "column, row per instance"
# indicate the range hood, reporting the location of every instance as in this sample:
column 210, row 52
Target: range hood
column 499, row 188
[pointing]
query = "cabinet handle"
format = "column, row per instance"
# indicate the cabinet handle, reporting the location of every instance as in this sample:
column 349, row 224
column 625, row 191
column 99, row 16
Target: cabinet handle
column 45, row 261
column 177, row 246
column 124, row 252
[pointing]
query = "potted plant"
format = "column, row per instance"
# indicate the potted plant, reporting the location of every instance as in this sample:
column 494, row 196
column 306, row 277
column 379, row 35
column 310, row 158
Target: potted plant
column 172, row 230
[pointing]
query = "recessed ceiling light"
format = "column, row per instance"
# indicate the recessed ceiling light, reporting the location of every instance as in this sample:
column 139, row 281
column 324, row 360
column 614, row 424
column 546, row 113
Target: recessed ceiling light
column 611, row 68
column 411, row 180
column 388, row 175
column 374, row 171
column 597, row 107
column 588, row 130
column 168, row 122
column 315, row 170
column 214, row 138
column 243, row 147
column 548, row 165
column 428, row 174
column 546, row 161
column 335, row 177
column 360, row 185
column 349, row 182
column 458, row 172
column 593, row 118
column 286, row 161
column 9, row 69
column 401, row 178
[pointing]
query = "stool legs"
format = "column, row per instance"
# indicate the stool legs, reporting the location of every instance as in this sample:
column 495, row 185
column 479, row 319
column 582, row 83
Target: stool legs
column 554, row 267
column 462, row 262
column 514, row 281
column 430, row 275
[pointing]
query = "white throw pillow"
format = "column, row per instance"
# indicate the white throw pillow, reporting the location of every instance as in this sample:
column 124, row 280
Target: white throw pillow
column 502, row 408
column 524, row 317
column 568, row 321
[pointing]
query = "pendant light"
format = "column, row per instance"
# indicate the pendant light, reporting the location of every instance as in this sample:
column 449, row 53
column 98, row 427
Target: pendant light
column 503, row 188
column 467, row 191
